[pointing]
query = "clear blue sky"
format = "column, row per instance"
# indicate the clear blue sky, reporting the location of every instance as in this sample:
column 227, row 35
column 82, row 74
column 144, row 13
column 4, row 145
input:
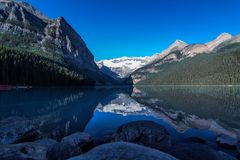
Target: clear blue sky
column 115, row 28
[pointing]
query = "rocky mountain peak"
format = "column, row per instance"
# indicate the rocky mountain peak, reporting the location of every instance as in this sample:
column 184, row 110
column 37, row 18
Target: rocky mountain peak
column 20, row 9
column 235, row 39
column 61, row 20
column 179, row 44
column 44, row 33
column 176, row 46
column 224, row 36
column 220, row 39
column 69, row 41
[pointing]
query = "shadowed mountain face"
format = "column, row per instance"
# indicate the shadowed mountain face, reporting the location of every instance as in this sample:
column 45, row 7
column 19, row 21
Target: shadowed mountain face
column 54, row 44
column 21, row 20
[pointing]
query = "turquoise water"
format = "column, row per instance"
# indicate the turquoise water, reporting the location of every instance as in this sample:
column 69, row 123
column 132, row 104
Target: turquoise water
column 185, row 111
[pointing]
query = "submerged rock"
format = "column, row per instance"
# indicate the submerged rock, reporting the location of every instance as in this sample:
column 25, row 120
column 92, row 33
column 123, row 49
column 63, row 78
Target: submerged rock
column 70, row 146
column 17, row 129
column 224, row 156
column 123, row 151
column 227, row 142
column 238, row 156
column 194, row 151
column 238, row 147
column 145, row 133
column 197, row 140
column 26, row 151
column 29, row 136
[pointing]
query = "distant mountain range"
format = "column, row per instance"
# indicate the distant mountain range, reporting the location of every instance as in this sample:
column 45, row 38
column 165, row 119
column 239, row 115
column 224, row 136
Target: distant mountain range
column 122, row 67
column 214, row 63
column 36, row 50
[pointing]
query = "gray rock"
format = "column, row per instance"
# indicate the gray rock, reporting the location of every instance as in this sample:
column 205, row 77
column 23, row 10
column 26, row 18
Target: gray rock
column 17, row 129
column 145, row 133
column 123, row 151
column 25, row 151
column 227, row 142
column 103, row 139
column 70, row 146
column 62, row 151
column 47, row 142
column 195, row 151
column 29, row 136
column 82, row 140
column 77, row 138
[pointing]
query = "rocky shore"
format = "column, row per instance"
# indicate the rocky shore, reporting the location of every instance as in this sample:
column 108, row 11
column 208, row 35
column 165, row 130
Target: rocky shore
column 21, row 139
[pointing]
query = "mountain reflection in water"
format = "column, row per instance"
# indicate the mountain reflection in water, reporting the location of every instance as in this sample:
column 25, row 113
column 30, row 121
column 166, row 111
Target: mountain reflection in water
column 184, row 111
column 214, row 108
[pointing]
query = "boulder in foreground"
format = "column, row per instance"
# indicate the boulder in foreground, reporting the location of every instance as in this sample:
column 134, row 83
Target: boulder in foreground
column 227, row 142
column 196, row 151
column 123, row 151
column 70, row 146
column 146, row 133
column 17, row 129
column 26, row 151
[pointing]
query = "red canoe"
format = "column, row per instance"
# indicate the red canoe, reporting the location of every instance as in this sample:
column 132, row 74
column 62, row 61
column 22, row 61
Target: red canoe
column 6, row 87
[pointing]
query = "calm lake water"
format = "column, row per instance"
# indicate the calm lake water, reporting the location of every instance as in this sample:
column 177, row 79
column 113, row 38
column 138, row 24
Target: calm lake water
column 185, row 111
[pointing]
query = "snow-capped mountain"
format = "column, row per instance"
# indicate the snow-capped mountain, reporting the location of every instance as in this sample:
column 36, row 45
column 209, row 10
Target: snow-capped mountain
column 122, row 67
column 123, row 104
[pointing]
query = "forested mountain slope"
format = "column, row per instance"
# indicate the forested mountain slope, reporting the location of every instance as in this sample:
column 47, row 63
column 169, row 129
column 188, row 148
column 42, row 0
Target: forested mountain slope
column 219, row 68
column 40, row 46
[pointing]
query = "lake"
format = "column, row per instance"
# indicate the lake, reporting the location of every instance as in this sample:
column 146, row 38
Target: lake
column 186, row 111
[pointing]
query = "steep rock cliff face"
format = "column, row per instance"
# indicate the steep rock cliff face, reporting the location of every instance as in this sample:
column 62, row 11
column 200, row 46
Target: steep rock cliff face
column 24, row 27
column 19, row 18
column 67, row 41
